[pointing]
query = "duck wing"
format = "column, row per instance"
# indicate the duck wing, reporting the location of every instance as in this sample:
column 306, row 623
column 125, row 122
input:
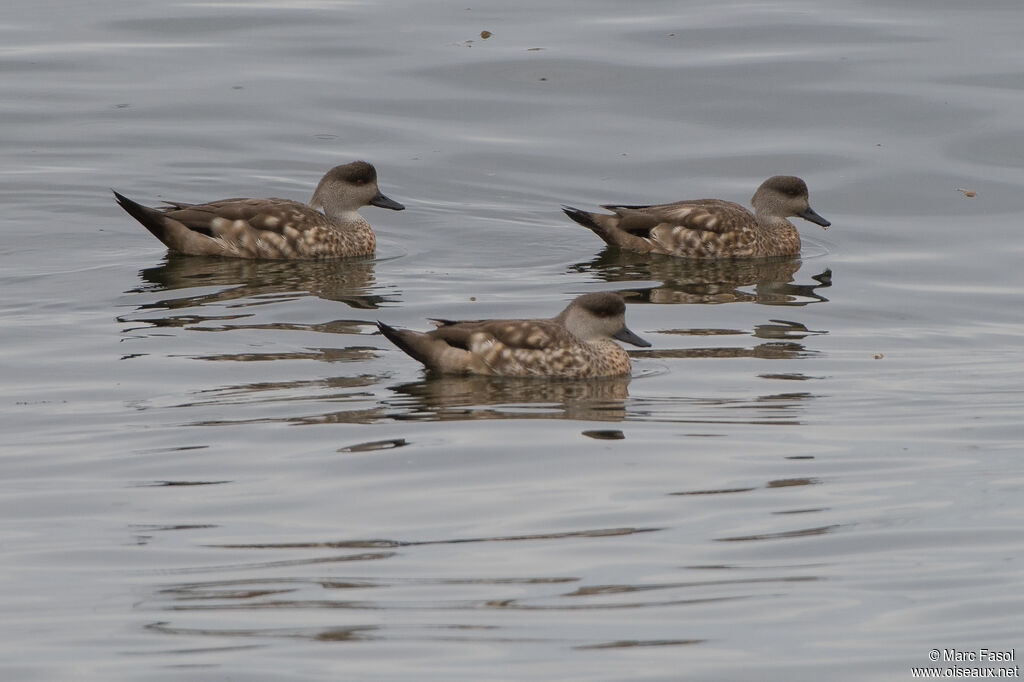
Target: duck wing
column 271, row 215
column 708, row 215
column 513, row 334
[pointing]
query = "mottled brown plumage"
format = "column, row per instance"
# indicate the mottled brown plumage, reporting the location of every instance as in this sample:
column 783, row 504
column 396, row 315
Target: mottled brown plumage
column 575, row 343
column 274, row 228
column 709, row 228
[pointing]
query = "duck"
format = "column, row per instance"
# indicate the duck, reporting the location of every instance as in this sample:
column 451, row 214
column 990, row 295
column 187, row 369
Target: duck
column 274, row 228
column 710, row 228
column 576, row 343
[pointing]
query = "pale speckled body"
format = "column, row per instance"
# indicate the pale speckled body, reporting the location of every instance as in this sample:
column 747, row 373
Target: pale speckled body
column 577, row 343
column 519, row 348
column 274, row 228
column 710, row 228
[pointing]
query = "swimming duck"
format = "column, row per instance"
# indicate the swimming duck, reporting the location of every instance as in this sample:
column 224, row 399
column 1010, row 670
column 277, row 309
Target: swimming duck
column 710, row 228
column 274, row 228
column 575, row 343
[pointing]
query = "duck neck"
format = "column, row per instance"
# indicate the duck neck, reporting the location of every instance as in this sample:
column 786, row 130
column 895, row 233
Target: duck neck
column 334, row 210
column 343, row 215
column 768, row 215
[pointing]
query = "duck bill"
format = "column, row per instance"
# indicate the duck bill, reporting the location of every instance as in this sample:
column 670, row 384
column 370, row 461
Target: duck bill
column 384, row 202
column 812, row 216
column 627, row 336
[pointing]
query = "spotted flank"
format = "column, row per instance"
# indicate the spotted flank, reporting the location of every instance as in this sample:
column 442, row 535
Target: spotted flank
column 709, row 228
column 579, row 342
column 274, row 228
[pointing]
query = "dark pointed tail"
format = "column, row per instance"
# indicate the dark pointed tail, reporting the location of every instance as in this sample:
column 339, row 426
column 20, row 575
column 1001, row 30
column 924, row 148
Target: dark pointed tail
column 150, row 218
column 581, row 217
column 406, row 340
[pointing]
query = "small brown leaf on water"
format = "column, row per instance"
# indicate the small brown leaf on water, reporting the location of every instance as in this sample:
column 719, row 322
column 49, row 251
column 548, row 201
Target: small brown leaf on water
column 485, row 34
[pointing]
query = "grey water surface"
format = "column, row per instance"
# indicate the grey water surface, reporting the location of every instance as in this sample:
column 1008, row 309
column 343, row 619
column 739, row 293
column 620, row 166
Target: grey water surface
column 216, row 469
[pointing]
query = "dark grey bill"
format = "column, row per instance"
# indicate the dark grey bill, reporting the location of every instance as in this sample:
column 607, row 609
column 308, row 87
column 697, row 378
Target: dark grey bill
column 627, row 336
column 384, row 202
column 810, row 214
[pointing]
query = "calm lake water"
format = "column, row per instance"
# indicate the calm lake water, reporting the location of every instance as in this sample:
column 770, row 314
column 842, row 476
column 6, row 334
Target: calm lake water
column 220, row 470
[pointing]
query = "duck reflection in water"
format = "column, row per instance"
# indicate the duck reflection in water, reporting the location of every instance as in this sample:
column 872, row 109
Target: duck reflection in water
column 710, row 281
column 470, row 397
column 448, row 397
column 782, row 342
column 352, row 283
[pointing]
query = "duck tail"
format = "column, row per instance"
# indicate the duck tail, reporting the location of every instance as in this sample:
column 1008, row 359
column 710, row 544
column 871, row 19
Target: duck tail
column 150, row 218
column 175, row 234
column 608, row 230
column 415, row 344
column 583, row 218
